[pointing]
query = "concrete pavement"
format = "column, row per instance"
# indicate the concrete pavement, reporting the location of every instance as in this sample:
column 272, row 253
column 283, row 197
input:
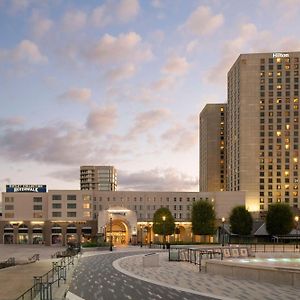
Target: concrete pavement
column 96, row 279
column 185, row 275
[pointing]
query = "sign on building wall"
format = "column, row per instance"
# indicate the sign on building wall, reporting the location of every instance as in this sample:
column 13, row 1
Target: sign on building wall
column 26, row 188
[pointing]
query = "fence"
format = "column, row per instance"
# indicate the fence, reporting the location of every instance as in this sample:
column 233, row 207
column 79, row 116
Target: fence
column 274, row 247
column 43, row 285
column 194, row 255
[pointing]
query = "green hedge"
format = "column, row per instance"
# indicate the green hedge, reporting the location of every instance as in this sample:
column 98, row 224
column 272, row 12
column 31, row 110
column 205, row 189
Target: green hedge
column 94, row 244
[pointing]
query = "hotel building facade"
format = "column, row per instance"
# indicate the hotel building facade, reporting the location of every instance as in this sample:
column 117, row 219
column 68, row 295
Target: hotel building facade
column 213, row 144
column 262, row 129
column 62, row 216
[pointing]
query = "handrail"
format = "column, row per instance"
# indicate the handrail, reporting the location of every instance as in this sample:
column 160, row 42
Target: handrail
column 43, row 284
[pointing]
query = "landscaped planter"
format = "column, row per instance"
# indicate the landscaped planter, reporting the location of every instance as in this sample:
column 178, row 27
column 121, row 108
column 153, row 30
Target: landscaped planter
column 87, row 249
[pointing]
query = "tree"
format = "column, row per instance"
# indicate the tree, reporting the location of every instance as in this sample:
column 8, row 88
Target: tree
column 203, row 218
column 160, row 226
column 279, row 219
column 240, row 220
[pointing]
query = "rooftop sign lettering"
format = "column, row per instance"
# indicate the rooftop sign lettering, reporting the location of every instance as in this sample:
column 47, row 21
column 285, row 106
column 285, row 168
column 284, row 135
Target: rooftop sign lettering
column 26, row 188
column 279, row 55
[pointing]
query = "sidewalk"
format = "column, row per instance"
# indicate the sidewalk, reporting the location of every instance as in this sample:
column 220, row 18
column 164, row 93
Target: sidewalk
column 186, row 276
column 17, row 279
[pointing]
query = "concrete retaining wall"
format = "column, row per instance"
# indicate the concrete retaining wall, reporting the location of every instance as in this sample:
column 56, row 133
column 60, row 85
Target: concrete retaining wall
column 274, row 275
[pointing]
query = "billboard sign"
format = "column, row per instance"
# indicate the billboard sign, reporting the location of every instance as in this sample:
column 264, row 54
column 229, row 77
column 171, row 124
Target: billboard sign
column 26, row 188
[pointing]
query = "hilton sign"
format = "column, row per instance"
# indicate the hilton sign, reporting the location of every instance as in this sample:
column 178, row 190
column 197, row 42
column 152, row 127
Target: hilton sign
column 26, row 188
column 280, row 55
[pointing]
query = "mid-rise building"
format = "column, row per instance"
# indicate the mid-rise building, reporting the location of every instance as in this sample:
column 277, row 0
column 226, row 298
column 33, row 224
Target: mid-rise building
column 212, row 137
column 99, row 178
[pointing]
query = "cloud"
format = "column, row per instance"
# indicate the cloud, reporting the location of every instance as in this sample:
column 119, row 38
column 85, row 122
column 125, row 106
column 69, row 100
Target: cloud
column 163, row 84
column 40, row 25
column 156, row 180
column 125, row 47
column 12, row 121
column 192, row 46
column 179, row 138
column 26, row 51
column 157, row 3
column 6, row 180
column 74, row 20
column 19, row 5
column 69, row 175
column 80, row 95
column 202, row 21
column 249, row 39
column 102, row 120
column 176, row 65
column 54, row 144
column 286, row 9
column 127, row 10
column 115, row 12
column 119, row 73
column 148, row 120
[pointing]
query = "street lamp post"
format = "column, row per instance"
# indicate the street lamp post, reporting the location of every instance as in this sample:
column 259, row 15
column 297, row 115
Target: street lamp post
column 164, row 231
column 141, row 235
column 149, row 228
column 297, row 231
column 223, row 231
column 110, row 224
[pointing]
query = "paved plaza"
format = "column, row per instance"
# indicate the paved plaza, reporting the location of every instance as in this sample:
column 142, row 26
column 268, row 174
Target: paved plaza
column 16, row 280
column 121, row 275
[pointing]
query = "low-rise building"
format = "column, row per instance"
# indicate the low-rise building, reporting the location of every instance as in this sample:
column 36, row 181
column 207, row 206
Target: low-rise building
column 62, row 216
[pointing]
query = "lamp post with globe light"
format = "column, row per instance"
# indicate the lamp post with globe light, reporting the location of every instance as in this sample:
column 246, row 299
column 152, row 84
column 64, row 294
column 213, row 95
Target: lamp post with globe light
column 223, row 231
column 110, row 225
column 164, row 231
column 297, row 231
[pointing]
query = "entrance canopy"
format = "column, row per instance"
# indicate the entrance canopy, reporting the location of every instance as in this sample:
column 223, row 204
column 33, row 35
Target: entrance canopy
column 118, row 213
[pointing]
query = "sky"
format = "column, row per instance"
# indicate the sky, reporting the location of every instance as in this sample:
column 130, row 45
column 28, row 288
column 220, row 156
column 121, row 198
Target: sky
column 122, row 83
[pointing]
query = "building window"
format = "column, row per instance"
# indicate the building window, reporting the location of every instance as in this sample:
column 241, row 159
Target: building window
column 71, row 205
column 9, row 199
column 37, row 199
column 37, row 207
column 87, row 214
column 38, row 215
column 56, row 205
column 56, row 214
column 56, row 197
column 71, row 214
column 9, row 207
column 9, row 215
column 71, row 197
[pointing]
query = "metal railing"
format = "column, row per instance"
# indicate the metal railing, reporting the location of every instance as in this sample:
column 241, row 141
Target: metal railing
column 274, row 247
column 42, row 288
column 194, row 255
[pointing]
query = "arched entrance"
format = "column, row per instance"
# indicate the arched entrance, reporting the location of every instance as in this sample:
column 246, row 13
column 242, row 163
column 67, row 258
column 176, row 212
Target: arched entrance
column 8, row 237
column 119, row 232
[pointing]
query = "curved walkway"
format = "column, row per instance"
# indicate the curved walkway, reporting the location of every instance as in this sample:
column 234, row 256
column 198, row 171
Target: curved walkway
column 96, row 279
column 186, row 276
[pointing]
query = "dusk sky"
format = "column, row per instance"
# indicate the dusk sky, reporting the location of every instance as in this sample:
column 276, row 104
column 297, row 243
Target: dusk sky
column 122, row 82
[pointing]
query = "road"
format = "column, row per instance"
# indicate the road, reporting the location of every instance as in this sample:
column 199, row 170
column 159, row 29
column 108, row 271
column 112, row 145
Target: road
column 96, row 279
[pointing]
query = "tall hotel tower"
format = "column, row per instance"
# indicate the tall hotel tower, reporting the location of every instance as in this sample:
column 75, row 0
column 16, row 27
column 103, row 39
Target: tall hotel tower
column 212, row 151
column 262, row 129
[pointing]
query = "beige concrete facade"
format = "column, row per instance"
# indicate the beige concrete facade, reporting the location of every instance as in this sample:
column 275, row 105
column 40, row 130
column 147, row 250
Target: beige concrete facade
column 212, row 140
column 100, row 178
column 73, row 215
column 263, row 128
